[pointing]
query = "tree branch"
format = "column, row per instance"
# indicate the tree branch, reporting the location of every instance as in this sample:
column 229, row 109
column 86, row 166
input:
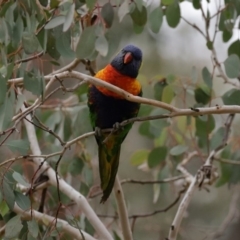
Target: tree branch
column 122, row 210
column 50, row 221
column 74, row 195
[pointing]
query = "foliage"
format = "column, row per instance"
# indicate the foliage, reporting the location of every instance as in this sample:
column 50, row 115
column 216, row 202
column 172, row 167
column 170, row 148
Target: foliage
column 36, row 37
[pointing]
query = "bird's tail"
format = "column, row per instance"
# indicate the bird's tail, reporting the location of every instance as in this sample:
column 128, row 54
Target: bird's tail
column 108, row 167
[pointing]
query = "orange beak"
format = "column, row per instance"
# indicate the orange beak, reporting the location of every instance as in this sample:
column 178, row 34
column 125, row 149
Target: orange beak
column 127, row 58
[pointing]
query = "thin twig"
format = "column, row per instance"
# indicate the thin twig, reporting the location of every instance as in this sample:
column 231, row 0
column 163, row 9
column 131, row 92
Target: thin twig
column 143, row 182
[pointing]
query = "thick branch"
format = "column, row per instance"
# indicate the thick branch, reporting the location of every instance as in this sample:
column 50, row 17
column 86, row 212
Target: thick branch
column 122, row 210
column 74, row 195
column 50, row 221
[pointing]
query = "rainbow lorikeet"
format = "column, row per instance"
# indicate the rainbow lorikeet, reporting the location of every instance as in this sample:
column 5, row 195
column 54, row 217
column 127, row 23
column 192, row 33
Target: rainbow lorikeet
column 107, row 109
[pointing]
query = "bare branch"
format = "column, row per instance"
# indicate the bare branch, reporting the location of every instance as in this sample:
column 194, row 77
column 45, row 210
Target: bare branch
column 49, row 221
column 122, row 210
column 74, row 195
column 143, row 182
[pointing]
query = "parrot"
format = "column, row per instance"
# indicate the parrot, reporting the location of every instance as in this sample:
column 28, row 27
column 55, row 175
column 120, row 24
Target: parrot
column 107, row 109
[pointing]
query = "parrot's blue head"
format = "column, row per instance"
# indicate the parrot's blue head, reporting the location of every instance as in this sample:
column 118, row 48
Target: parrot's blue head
column 128, row 61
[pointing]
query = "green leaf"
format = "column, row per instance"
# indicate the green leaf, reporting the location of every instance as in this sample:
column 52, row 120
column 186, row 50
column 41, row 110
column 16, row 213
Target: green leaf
column 226, row 172
column 22, row 201
column 76, row 166
column 156, row 156
column 207, row 78
column 9, row 71
column 137, row 29
column 3, row 208
column 42, row 39
column 139, row 157
column 51, row 47
column 204, row 126
column 123, row 10
column 63, row 44
column 234, row 48
column 17, row 31
column 107, row 14
column 209, row 45
column 13, row 227
column 217, row 138
column 202, row 94
column 90, row 4
column 20, row 146
column 168, row 94
column 101, row 45
column 6, row 113
column 59, row 20
column 231, row 97
column 86, row 44
column 30, row 42
column 32, row 83
column 33, row 228
column 69, row 18
column 173, row 15
column 178, row 150
column 226, row 35
column 139, row 17
column 232, row 66
column 3, row 88
column 144, row 130
column 197, row 4
column 7, row 194
column 155, row 19
column 19, row 178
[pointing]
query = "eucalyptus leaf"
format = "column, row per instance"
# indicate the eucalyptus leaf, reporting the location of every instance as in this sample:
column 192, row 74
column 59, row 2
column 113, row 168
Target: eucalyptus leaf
column 69, row 18
column 20, row 146
column 59, row 20
column 155, row 19
column 207, row 78
column 139, row 157
column 232, row 66
column 156, row 156
column 101, row 45
column 173, row 14
column 13, row 227
column 7, row 193
column 3, row 88
column 231, row 97
column 19, row 178
column 178, row 150
column 30, row 42
column 86, row 44
column 234, row 48
column 22, row 201
column 33, row 227
column 107, row 14
column 139, row 17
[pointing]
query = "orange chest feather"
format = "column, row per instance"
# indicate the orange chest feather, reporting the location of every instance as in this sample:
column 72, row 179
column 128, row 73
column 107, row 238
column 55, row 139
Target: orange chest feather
column 110, row 75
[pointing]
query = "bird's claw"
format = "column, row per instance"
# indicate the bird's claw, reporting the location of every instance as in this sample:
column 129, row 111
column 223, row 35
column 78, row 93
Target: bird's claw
column 98, row 131
column 117, row 126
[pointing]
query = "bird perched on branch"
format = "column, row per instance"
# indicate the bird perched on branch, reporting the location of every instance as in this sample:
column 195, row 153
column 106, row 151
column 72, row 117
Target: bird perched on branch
column 108, row 109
